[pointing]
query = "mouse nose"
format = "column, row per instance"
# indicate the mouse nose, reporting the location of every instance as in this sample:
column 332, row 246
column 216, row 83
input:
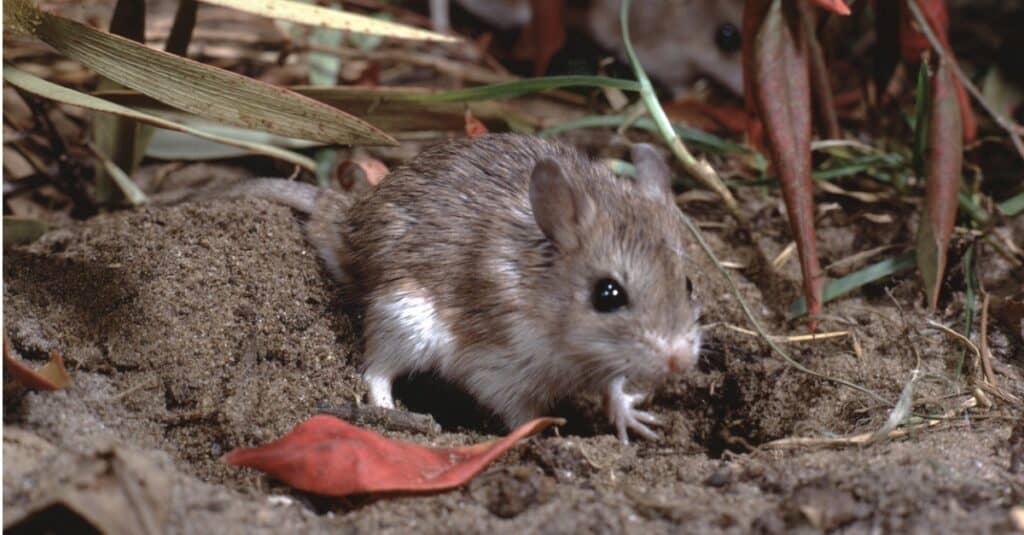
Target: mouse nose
column 679, row 361
column 680, row 353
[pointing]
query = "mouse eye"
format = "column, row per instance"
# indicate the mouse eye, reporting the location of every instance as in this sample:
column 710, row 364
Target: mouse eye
column 609, row 296
column 689, row 287
column 727, row 37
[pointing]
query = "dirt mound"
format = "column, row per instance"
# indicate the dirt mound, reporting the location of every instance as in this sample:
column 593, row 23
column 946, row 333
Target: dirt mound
column 194, row 329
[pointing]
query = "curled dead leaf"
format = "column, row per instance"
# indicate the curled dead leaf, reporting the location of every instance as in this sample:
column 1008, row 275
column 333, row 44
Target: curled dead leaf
column 327, row 456
column 51, row 376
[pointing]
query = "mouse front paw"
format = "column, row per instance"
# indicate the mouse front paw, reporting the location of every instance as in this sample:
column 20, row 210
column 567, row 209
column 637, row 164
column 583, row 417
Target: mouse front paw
column 624, row 416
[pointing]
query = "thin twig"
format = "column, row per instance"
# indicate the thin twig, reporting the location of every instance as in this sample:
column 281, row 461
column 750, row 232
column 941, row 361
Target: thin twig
column 986, row 353
column 989, row 383
column 152, row 381
column 455, row 69
column 962, row 338
column 867, row 437
column 862, row 255
column 1011, row 127
column 813, row 337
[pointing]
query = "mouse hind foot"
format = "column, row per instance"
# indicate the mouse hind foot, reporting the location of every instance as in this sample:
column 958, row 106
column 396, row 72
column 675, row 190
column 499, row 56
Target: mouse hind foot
column 404, row 334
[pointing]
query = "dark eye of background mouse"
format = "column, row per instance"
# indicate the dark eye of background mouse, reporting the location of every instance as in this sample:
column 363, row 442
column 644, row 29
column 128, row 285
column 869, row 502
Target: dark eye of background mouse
column 727, row 37
column 689, row 287
column 609, row 296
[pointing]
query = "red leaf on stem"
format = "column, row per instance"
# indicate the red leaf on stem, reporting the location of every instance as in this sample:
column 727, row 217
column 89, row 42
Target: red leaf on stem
column 780, row 79
column 327, row 456
column 945, row 156
column 913, row 43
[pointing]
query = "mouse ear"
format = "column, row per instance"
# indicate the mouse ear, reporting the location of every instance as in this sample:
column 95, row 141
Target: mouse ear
column 560, row 209
column 652, row 173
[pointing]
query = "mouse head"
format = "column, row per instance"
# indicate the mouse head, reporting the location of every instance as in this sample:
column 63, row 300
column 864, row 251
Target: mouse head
column 677, row 41
column 618, row 285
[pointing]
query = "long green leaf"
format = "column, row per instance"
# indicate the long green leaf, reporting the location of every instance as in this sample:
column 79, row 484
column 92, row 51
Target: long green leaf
column 861, row 277
column 207, row 91
column 1012, row 206
column 171, row 145
column 53, row 91
column 709, row 142
column 312, row 15
column 506, row 90
column 393, row 109
column 499, row 91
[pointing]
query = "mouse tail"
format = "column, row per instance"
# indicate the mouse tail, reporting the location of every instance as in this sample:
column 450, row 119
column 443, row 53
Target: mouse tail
column 326, row 210
column 298, row 196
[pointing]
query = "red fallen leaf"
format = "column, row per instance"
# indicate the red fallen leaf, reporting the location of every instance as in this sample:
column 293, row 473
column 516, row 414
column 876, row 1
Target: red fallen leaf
column 51, row 376
column 945, row 157
column 780, row 79
column 474, row 128
column 836, row 6
column 327, row 456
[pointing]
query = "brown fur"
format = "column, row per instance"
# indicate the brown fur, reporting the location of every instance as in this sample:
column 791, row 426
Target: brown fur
column 458, row 223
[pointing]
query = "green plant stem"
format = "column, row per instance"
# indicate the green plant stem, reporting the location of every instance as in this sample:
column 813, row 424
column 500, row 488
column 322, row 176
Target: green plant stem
column 699, row 169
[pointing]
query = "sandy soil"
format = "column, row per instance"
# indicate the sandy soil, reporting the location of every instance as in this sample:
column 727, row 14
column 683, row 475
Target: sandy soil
column 194, row 329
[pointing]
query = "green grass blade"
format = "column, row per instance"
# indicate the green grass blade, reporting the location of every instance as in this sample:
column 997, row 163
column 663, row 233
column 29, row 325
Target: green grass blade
column 392, row 109
column 700, row 170
column 507, row 90
column 1012, row 206
column 861, row 277
column 706, row 141
column 131, row 192
column 922, row 115
column 52, row 91
column 172, row 145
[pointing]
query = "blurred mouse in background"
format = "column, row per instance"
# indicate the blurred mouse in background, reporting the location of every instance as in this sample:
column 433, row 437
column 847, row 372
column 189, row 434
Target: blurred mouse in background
column 677, row 41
